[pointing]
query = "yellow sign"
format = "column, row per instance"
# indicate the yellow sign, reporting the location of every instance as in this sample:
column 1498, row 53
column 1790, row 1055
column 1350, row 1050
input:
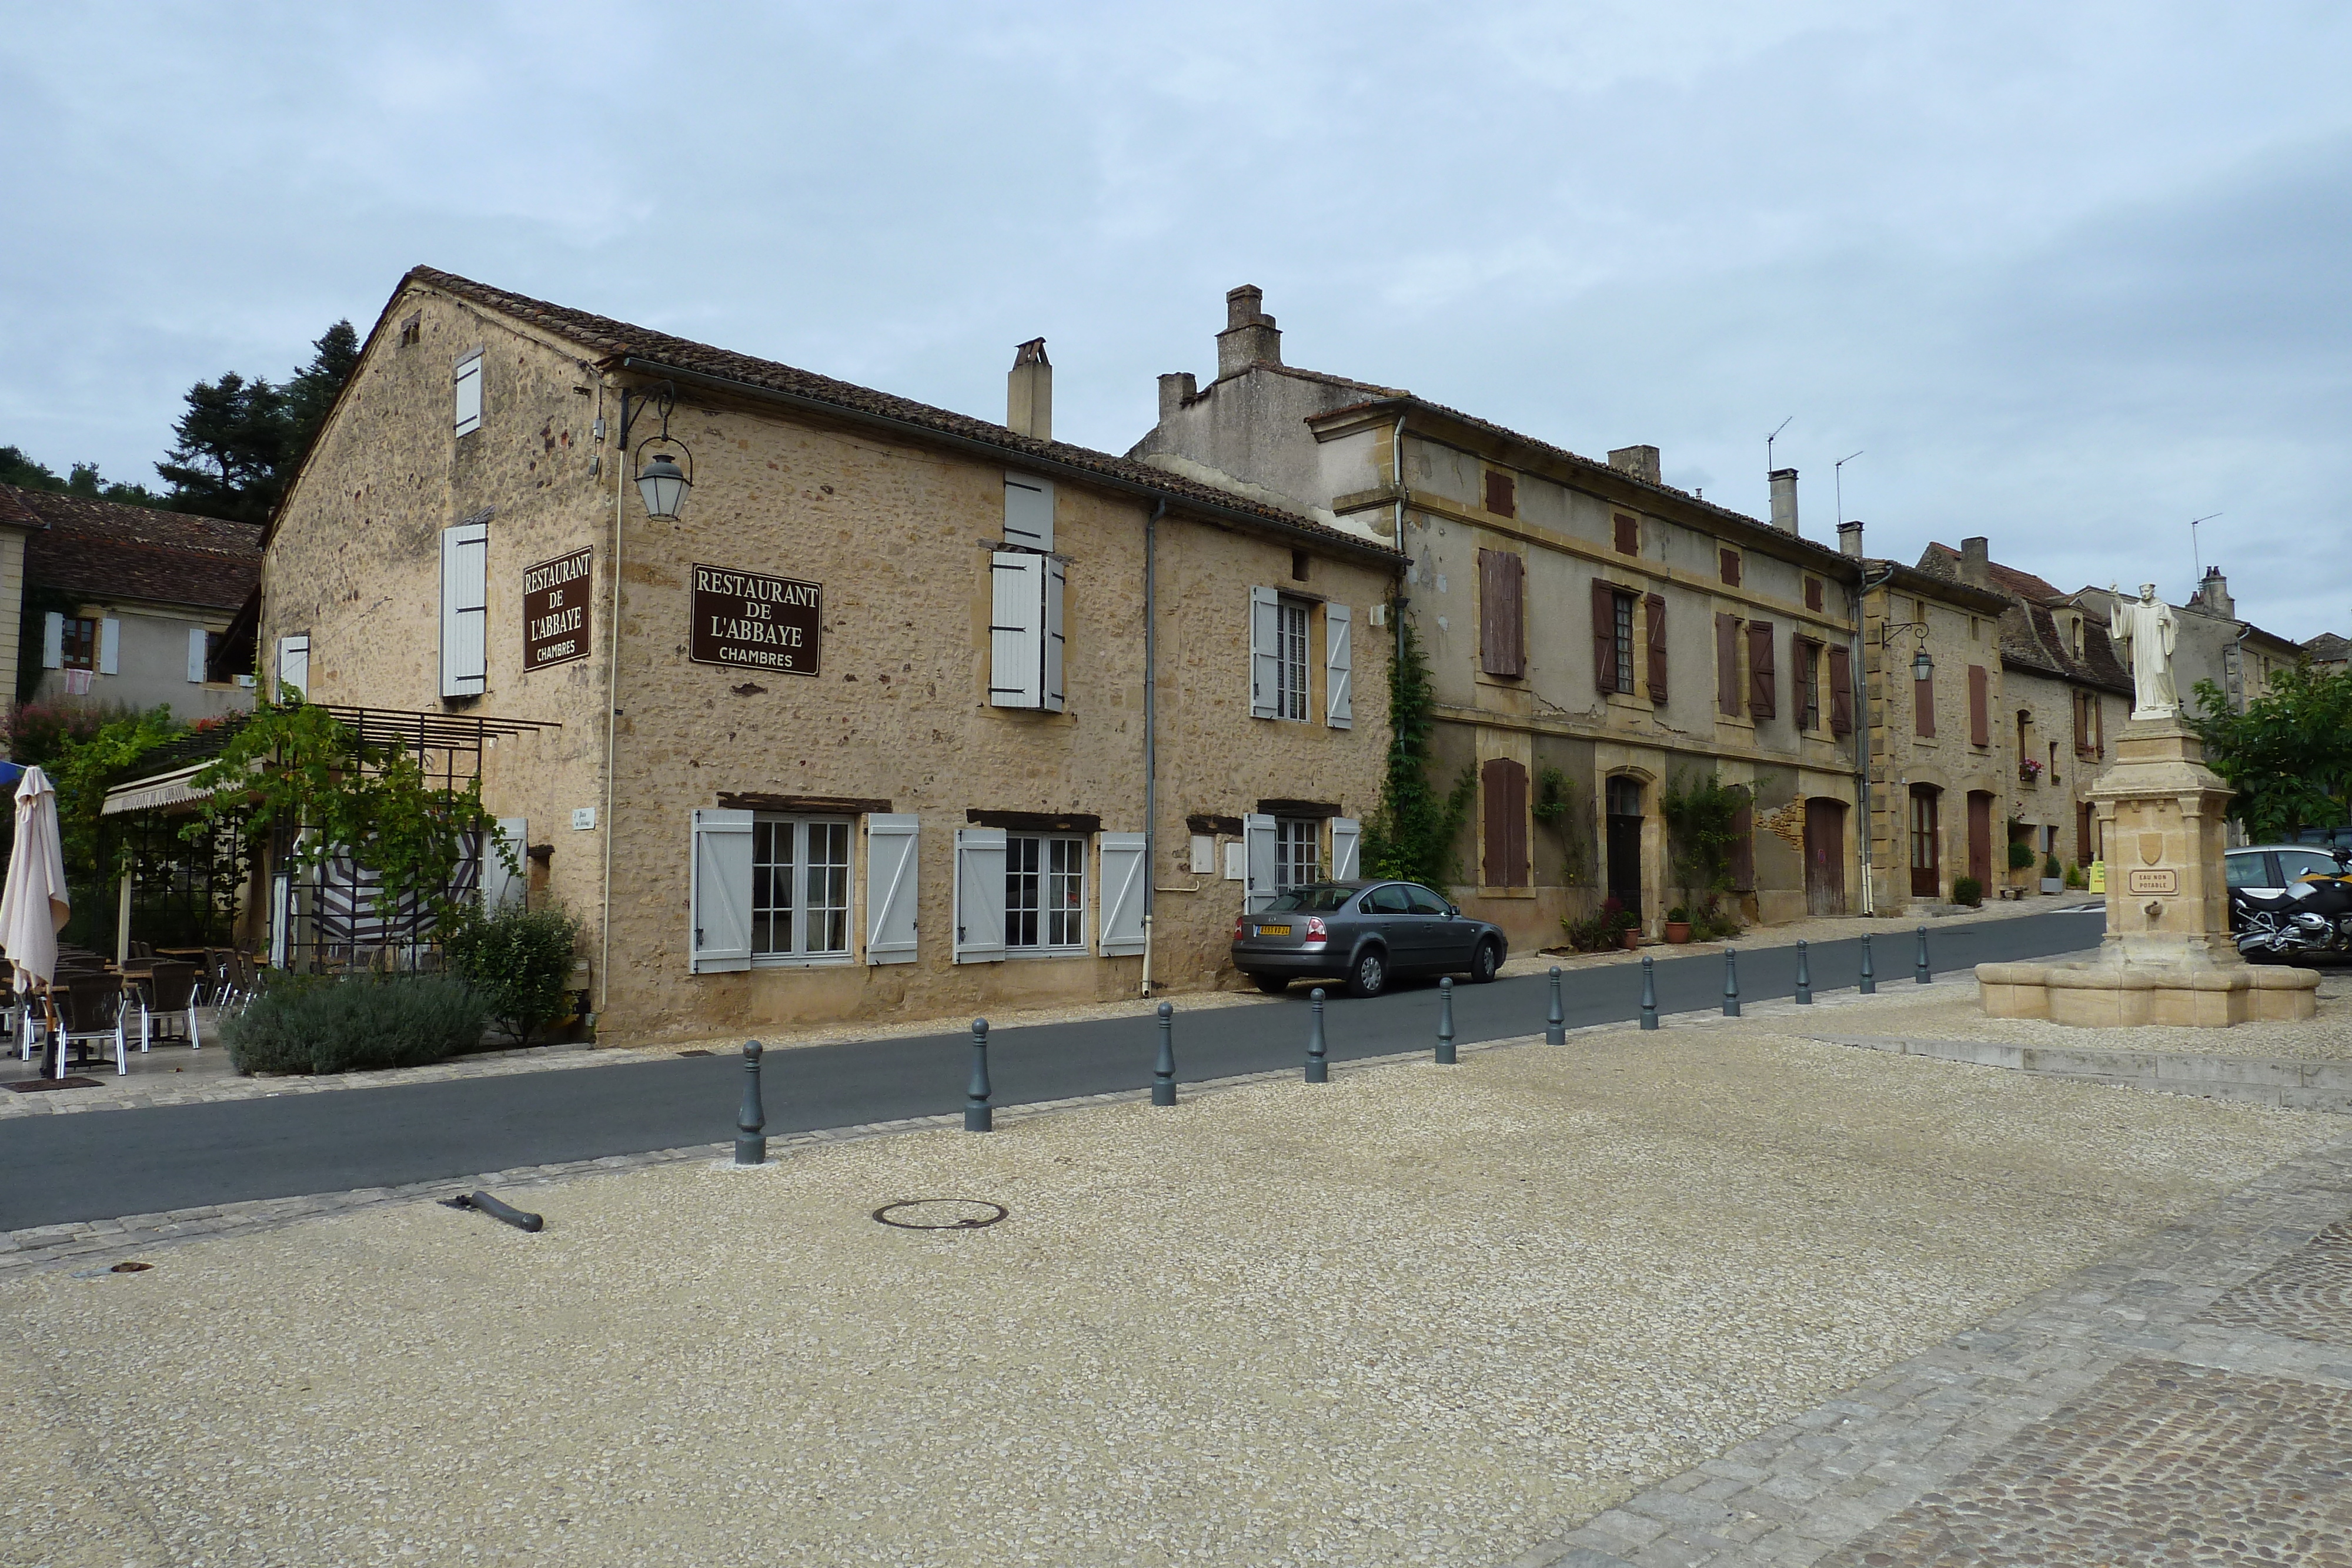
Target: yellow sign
column 2098, row 877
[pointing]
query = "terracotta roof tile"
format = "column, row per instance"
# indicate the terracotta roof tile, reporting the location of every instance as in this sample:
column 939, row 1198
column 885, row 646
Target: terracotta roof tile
column 112, row 551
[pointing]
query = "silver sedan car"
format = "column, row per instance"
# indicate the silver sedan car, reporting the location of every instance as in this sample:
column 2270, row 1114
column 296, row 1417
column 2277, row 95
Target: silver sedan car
column 1364, row 933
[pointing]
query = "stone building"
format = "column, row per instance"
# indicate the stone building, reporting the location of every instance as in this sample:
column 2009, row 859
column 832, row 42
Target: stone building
column 120, row 606
column 1595, row 636
column 897, row 709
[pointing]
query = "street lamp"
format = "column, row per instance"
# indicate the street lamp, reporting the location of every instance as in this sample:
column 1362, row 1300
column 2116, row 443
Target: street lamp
column 662, row 483
column 1922, row 666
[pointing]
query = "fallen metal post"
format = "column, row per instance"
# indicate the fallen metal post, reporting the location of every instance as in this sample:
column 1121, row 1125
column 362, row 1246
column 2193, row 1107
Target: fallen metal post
column 483, row 1203
column 1318, row 1065
column 1649, row 992
column 751, row 1121
column 1804, row 977
column 1555, row 1021
column 1163, row 1071
column 1445, row 1021
column 1731, row 984
column 977, row 1117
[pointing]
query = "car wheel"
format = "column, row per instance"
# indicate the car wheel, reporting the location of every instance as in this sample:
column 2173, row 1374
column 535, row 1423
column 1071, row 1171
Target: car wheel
column 1370, row 977
column 1486, row 964
column 1272, row 985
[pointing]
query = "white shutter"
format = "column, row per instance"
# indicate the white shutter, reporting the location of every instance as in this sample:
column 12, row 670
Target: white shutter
column 110, row 646
column 1016, row 629
column 1338, row 668
column 53, row 641
column 1052, row 585
column 721, row 892
column 1257, row 862
column 1028, row 512
column 1124, row 866
column 294, row 664
column 196, row 636
column 1266, row 643
column 1346, row 834
column 465, row 609
column 502, row 888
column 469, row 394
column 890, row 866
column 979, row 895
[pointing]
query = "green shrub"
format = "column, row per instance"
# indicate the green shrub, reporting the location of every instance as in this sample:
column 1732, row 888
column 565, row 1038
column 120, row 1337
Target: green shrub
column 2021, row 855
column 1590, row 936
column 2050, row 866
column 315, row 1024
column 1678, row 916
column 2074, row 877
column 1967, row 890
column 518, row 960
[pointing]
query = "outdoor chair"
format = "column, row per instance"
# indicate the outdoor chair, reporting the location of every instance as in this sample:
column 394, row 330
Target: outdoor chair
column 83, row 1008
column 169, row 1000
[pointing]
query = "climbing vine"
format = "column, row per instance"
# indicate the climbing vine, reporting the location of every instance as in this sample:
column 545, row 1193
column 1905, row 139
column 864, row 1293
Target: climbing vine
column 1414, row 835
column 1701, row 813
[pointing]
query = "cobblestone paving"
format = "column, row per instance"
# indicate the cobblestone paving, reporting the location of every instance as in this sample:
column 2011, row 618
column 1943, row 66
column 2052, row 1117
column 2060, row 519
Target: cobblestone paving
column 2307, row 1297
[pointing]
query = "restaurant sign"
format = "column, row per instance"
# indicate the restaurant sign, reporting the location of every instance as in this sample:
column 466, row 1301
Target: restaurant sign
column 555, row 610
column 747, row 621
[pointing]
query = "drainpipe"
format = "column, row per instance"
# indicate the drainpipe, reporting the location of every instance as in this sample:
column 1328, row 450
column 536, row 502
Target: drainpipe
column 1862, row 739
column 611, row 711
column 1396, row 456
column 1150, row 721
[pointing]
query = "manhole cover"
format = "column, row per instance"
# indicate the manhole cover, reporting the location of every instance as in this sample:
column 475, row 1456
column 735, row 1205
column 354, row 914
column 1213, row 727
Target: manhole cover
column 941, row 1213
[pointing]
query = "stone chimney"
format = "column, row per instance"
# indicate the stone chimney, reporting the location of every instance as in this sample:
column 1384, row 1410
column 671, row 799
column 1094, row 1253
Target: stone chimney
column 1642, row 461
column 2213, row 593
column 1029, row 392
column 1784, row 499
column 1850, row 538
column 1249, row 337
column 1176, row 389
column 1975, row 561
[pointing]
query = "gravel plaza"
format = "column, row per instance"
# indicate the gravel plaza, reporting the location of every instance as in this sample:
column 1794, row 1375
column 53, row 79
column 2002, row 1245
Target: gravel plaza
column 1463, row 1315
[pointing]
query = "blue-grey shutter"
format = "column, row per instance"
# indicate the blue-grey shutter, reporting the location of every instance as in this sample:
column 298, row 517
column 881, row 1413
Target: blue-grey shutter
column 891, row 862
column 196, row 644
column 1339, row 669
column 53, row 641
column 1016, row 629
column 294, row 664
column 469, row 393
column 721, row 892
column 110, row 646
column 465, row 609
column 1347, row 835
column 1257, row 862
column 1124, row 867
column 502, row 888
column 1028, row 512
column 979, row 895
column 1051, row 584
column 1265, row 651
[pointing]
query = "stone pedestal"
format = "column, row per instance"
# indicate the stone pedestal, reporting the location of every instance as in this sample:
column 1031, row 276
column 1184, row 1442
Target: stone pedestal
column 2167, row 957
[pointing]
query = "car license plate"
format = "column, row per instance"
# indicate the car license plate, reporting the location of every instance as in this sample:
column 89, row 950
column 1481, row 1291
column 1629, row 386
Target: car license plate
column 1274, row 930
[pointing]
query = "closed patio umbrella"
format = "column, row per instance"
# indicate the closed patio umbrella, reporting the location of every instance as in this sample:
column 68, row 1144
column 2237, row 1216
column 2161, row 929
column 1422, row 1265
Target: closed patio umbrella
column 35, row 904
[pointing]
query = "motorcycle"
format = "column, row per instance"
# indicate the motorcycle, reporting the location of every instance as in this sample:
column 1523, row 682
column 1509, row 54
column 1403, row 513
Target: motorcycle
column 2313, row 916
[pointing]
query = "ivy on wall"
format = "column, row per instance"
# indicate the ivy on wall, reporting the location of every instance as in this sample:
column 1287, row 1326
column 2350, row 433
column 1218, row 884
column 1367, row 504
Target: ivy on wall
column 1415, row 834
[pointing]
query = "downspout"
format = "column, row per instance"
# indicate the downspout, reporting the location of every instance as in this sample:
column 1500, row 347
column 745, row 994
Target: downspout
column 611, row 709
column 1151, row 720
column 1396, row 466
column 1862, row 742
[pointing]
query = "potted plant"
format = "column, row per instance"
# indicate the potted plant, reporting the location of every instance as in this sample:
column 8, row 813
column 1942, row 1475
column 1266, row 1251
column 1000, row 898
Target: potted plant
column 2030, row 770
column 1678, row 925
column 2020, row 860
column 2051, row 880
column 1625, row 927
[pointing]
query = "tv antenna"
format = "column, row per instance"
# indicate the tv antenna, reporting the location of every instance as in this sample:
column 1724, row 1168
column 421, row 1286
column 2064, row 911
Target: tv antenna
column 1837, row 479
column 1770, row 439
column 2194, row 553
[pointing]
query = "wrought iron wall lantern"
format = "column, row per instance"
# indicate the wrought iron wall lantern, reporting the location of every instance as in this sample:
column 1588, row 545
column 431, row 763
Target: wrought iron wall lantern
column 1922, row 667
column 662, row 482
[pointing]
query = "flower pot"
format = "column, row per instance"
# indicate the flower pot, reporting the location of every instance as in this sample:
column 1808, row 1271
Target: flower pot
column 1631, row 938
column 1677, row 931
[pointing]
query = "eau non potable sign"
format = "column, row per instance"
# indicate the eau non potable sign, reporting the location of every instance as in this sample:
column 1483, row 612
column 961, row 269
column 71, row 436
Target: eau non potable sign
column 746, row 621
column 555, row 610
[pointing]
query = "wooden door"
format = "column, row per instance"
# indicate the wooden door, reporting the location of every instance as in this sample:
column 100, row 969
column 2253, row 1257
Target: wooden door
column 1926, row 853
column 1624, row 803
column 1981, row 838
column 1824, row 857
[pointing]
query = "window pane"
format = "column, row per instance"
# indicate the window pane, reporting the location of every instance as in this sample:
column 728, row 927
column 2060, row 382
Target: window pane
column 1298, row 851
column 771, row 886
column 1290, row 675
column 2295, row 863
column 1023, row 892
column 1424, row 902
column 1065, row 885
column 2245, row 870
column 1625, row 641
column 826, row 888
column 1390, row 900
column 1312, row 900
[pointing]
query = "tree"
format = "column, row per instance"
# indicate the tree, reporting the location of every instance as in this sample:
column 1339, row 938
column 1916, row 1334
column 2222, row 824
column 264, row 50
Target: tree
column 83, row 479
column 2288, row 755
column 239, row 440
column 314, row 389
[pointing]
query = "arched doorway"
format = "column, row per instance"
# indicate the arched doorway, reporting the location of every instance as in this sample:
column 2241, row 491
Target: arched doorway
column 1623, row 799
column 1926, row 842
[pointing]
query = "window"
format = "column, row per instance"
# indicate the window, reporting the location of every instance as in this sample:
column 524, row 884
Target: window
column 1290, row 688
column 1330, row 900
column 1629, row 534
column 1812, row 593
column 1025, row 642
column 1624, row 628
column 465, row 609
column 1278, row 670
column 1423, row 902
column 1726, row 665
column 79, row 647
column 1298, row 851
column 1502, row 495
column 1389, row 900
column 800, row 887
column 413, row 329
column 1808, row 657
column 1730, row 566
column 1612, row 639
column 1044, row 892
column 1298, row 566
column 1502, row 612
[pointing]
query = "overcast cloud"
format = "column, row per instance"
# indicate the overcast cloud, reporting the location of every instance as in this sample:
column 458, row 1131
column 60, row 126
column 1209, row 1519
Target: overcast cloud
column 2068, row 276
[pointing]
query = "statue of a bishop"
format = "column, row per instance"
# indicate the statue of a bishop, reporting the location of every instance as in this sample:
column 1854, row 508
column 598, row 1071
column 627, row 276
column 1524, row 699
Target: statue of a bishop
column 2146, row 623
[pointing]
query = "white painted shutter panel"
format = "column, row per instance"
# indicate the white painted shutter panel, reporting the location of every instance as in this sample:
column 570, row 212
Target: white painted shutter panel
column 890, row 865
column 1052, row 583
column 1124, row 866
column 470, row 395
column 53, row 641
column 1257, row 862
column 501, row 888
column 196, row 654
column 1016, row 629
column 110, row 646
column 1266, row 643
column 1338, row 668
column 294, row 664
column 1028, row 512
column 1346, row 833
column 979, row 895
column 721, row 892
column 465, row 608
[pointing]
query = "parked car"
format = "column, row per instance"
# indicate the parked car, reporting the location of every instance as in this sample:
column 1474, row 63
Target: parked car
column 2268, row 869
column 1364, row 933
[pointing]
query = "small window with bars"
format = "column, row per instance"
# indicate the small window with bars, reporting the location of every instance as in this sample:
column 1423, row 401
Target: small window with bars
column 1044, row 892
column 1623, row 613
column 1298, row 851
column 1290, row 659
column 800, row 887
column 1809, row 685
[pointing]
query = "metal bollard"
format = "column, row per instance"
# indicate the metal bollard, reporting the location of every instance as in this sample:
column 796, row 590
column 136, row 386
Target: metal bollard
column 1318, row 1065
column 1445, row 1021
column 1555, row 1021
column 1649, row 993
column 1919, row 972
column 977, row 1117
column 1869, row 979
column 1163, row 1071
column 1731, row 984
column 752, row 1119
column 1804, row 977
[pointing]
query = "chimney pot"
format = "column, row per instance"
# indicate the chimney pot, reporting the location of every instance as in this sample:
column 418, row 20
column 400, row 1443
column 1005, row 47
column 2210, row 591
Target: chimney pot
column 1176, row 389
column 2215, row 592
column 1784, row 499
column 1642, row 461
column 1850, row 538
column 1249, row 337
column 1029, row 392
column 1975, row 561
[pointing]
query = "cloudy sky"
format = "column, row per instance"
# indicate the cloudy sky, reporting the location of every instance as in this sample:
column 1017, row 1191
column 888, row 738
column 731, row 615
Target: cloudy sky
column 2066, row 275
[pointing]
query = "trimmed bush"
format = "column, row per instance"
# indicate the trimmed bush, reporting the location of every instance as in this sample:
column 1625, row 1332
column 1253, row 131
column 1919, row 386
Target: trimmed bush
column 2050, row 867
column 2021, row 855
column 518, row 960
column 1967, row 890
column 315, row 1024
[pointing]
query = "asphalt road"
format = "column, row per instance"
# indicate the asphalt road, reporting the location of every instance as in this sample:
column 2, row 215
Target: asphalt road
column 100, row 1165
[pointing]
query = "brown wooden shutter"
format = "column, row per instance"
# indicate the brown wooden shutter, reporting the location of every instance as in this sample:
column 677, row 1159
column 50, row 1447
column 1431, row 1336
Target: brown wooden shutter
column 1502, row 495
column 1979, row 707
column 1812, row 593
column 1604, row 637
column 1730, row 567
column 1656, row 606
column 1501, row 616
column 1503, row 791
column 1629, row 535
column 1727, row 665
column 1762, row 687
column 2082, row 730
column 1840, row 691
column 1923, row 707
